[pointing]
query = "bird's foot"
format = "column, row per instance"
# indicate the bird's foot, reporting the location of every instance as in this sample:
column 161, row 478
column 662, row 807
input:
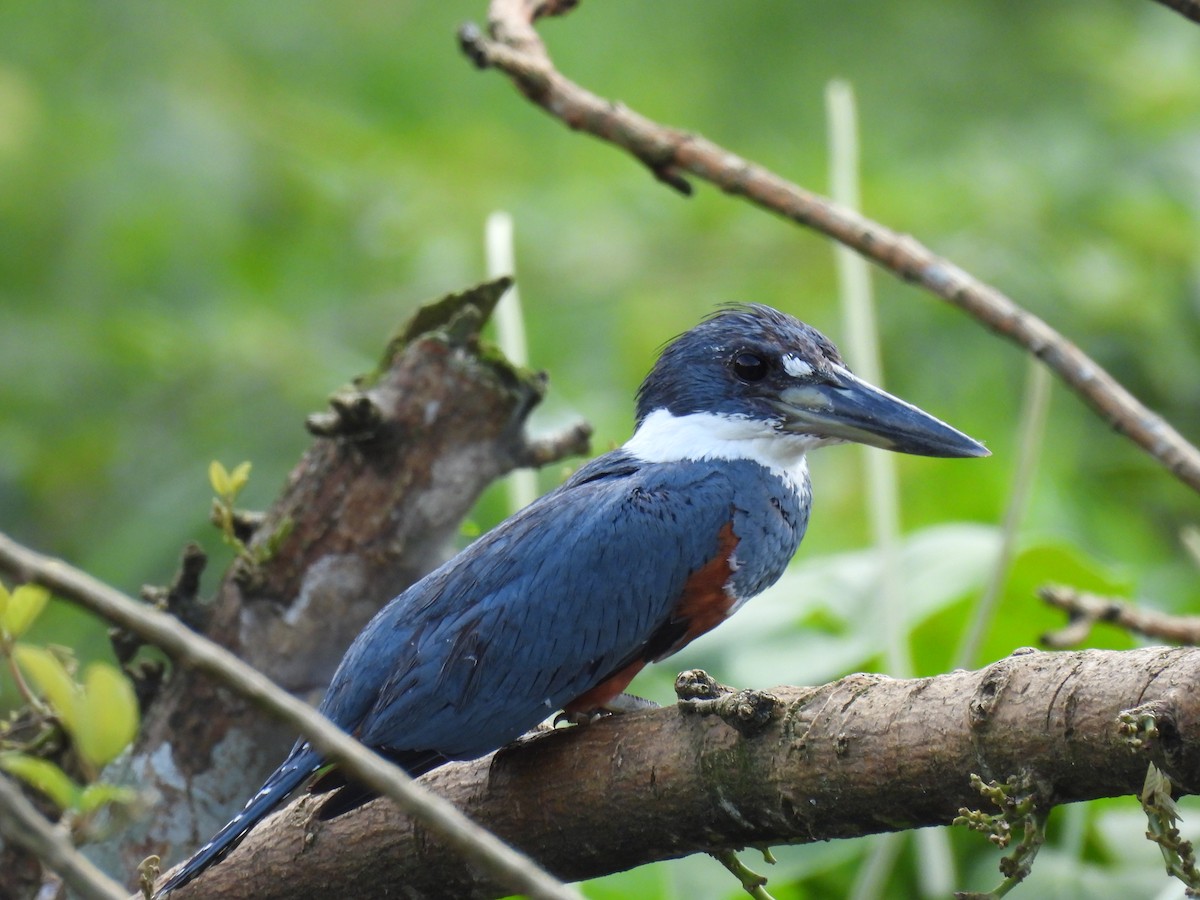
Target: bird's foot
column 747, row 711
column 622, row 703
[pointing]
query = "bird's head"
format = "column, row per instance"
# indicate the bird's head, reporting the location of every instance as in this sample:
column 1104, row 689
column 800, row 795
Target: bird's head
column 753, row 374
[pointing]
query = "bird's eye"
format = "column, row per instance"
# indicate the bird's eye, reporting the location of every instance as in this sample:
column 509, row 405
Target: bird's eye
column 749, row 367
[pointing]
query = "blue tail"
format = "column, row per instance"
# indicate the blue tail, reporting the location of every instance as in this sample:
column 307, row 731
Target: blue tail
column 300, row 764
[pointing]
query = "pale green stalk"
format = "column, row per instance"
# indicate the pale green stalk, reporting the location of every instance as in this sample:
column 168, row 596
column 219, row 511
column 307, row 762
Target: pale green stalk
column 1031, row 431
column 862, row 348
column 521, row 483
column 876, row 869
column 936, row 866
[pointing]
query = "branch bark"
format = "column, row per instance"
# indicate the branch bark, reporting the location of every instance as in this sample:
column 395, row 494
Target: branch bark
column 515, row 49
column 862, row 755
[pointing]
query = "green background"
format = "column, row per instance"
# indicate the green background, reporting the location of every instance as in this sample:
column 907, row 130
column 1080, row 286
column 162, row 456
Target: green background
column 211, row 214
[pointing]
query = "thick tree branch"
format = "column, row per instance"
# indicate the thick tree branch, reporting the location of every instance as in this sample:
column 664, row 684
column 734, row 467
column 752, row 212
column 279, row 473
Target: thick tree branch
column 1085, row 610
column 363, row 765
column 861, row 755
column 516, row 49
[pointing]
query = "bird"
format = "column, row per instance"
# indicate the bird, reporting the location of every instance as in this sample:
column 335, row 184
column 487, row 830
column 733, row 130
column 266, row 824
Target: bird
column 639, row 552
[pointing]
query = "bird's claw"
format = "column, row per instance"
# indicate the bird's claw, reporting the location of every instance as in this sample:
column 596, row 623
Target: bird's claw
column 618, row 705
column 626, row 703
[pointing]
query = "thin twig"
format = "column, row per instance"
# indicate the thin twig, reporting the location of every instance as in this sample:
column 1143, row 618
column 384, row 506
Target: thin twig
column 541, row 451
column 1086, row 609
column 22, row 824
column 478, row 845
column 516, row 49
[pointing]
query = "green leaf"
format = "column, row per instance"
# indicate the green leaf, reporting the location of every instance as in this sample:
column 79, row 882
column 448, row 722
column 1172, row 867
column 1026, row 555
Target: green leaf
column 238, row 478
column 52, row 680
column 3, row 601
column 24, row 605
column 218, row 477
column 108, row 715
column 101, row 794
column 101, row 715
column 44, row 776
column 228, row 484
column 1024, row 617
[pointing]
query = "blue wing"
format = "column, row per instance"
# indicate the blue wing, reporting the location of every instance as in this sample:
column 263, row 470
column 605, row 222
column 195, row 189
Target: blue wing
column 533, row 614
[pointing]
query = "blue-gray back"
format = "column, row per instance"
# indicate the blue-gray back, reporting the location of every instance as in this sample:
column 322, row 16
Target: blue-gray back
column 537, row 611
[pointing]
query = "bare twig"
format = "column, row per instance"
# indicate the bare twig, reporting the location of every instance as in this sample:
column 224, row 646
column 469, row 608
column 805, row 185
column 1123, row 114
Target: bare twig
column 542, row 451
column 22, row 824
column 1085, row 610
column 516, row 49
column 475, row 843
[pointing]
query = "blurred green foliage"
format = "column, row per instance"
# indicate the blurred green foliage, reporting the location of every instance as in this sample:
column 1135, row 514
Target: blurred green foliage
column 210, row 213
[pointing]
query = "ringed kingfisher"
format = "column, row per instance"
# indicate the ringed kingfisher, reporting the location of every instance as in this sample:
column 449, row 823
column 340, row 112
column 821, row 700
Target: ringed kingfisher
column 641, row 551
